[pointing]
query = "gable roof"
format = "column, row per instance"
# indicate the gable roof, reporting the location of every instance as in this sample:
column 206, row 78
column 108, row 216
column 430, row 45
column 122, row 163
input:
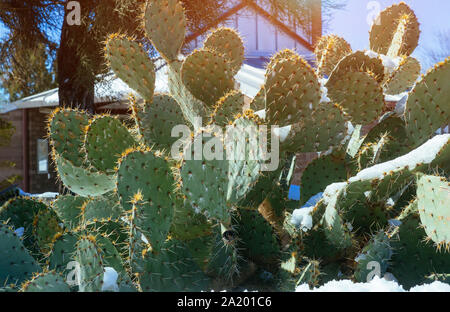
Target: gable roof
column 259, row 10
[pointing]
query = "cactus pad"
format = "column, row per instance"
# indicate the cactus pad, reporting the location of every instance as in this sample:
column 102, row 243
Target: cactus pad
column 106, row 139
column 145, row 184
column 404, row 77
column 292, row 91
column 132, row 64
column 396, row 31
column 66, row 132
column 165, row 24
column 227, row 42
column 433, row 195
column 360, row 96
column 207, row 75
column 16, row 264
column 427, row 107
column 329, row 51
column 156, row 120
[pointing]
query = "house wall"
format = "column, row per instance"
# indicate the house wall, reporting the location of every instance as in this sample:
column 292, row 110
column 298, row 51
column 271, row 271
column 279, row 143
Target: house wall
column 261, row 38
column 38, row 182
column 13, row 152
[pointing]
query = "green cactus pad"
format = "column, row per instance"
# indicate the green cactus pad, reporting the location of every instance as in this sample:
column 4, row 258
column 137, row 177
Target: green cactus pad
column 292, row 91
column 227, row 42
column 191, row 106
column 46, row 282
column 257, row 238
column 323, row 171
column 110, row 255
column 205, row 182
column 83, row 181
column 329, row 51
column 187, row 224
column 16, row 264
column 68, row 209
column 378, row 250
column 336, row 231
column 358, row 61
column 226, row 261
column 173, row 269
column 360, row 96
column 165, row 24
column 427, row 107
column 63, row 253
column 259, row 101
column 413, row 258
column 21, row 212
column 207, row 75
column 156, row 120
column 397, row 142
column 89, row 257
column 279, row 56
column 132, row 64
column 227, row 107
column 106, row 139
column 433, row 195
column 101, row 209
column 396, row 30
column 324, row 127
column 145, row 184
column 45, row 227
column 66, row 131
column 404, row 77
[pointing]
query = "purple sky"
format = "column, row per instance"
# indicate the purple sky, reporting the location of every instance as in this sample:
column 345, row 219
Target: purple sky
column 433, row 15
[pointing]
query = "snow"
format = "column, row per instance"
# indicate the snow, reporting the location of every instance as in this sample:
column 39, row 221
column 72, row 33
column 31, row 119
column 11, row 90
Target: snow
column 390, row 63
column 395, row 97
column 261, row 114
column 282, row 133
column 302, row 218
column 424, row 154
column 110, row 280
column 313, row 200
column 376, row 285
column 332, row 190
column 324, row 91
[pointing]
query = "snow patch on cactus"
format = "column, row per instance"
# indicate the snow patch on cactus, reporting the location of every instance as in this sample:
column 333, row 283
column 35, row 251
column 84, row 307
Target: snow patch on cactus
column 332, row 190
column 376, row 285
column 302, row 218
column 424, row 154
column 390, row 63
column 282, row 133
column 110, row 280
column 324, row 91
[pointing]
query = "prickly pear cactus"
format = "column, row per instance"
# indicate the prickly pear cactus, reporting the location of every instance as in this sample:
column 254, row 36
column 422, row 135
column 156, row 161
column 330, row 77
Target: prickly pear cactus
column 145, row 211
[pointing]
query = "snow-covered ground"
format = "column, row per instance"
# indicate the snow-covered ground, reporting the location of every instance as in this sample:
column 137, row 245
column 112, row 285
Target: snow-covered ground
column 376, row 285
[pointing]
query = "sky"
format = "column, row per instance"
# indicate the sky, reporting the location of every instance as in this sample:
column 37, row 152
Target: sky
column 352, row 24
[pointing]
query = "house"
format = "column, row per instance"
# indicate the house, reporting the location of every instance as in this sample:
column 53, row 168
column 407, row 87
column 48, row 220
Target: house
column 263, row 36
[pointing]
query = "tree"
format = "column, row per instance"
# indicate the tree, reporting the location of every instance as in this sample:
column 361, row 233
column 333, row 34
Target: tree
column 27, row 72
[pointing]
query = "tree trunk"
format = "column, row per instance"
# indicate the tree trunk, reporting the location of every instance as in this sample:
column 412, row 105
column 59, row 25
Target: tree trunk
column 75, row 80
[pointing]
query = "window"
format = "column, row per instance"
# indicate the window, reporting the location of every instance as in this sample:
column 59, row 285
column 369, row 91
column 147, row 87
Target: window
column 42, row 156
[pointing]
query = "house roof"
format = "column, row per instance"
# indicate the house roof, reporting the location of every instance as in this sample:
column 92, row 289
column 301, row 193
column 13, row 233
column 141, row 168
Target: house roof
column 114, row 91
column 259, row 10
